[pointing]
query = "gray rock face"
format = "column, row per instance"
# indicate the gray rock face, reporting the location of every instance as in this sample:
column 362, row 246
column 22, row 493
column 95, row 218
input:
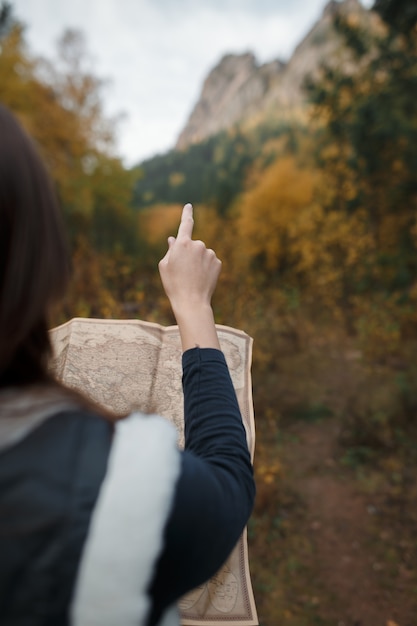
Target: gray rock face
column 239, row 89
column 232, row 90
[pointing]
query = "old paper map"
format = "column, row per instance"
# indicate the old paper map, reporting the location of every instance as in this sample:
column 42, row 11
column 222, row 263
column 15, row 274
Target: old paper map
column 129, row 365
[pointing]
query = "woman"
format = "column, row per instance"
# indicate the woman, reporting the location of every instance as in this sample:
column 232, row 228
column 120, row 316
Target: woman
column 99, row 523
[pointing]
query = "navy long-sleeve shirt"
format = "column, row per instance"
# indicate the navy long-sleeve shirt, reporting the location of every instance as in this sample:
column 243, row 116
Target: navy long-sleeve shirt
column 215, row 491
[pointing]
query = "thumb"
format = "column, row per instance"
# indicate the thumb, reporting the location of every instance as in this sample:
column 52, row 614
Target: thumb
column 171, row 241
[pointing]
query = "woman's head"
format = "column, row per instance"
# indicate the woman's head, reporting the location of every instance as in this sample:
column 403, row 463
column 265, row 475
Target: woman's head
column 33, row 256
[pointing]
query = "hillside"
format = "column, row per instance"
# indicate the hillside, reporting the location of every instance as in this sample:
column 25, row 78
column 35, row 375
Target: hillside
column 211, row 172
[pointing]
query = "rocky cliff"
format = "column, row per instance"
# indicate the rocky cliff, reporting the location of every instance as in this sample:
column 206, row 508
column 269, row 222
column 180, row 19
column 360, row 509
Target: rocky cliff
column 239, row 89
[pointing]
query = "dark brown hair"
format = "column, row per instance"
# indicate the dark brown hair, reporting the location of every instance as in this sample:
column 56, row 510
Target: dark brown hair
column 34, row 265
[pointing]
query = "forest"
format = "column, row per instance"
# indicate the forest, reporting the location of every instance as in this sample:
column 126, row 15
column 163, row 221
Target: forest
column 316, row 225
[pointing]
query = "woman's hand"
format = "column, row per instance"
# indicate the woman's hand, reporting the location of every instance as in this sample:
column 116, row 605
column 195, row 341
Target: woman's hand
column 189, row 273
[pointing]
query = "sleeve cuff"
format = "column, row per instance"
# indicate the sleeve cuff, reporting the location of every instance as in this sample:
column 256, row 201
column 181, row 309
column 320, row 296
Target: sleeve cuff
column 202, row 355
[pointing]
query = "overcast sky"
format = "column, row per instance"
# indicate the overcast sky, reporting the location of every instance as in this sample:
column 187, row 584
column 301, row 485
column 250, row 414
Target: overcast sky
column 157, row 53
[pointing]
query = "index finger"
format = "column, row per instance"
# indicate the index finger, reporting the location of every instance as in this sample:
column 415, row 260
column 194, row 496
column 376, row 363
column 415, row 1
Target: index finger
column 187, row 222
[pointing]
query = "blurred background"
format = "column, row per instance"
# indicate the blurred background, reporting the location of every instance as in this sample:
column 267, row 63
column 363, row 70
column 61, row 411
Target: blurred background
column 293, row 131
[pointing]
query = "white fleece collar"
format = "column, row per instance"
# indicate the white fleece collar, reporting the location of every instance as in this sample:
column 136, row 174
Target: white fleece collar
column 126, row 529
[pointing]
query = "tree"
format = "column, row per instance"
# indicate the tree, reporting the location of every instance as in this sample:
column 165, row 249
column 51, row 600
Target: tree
column 368, row 144
column 399, row 14
column 269, row 214
column 60, row 104
column 6, row 18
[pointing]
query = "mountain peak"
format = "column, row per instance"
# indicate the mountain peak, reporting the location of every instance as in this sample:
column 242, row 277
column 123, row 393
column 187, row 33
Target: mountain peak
column 334, row 7
column 232, row 87
column 238, row 88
